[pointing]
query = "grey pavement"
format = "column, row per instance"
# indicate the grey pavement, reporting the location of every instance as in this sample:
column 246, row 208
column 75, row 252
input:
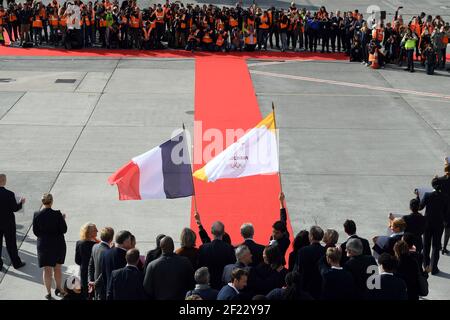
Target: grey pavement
column 346, row 152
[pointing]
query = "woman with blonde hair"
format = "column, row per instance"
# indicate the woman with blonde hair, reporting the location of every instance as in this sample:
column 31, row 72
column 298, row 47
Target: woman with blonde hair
column 188, row 249
column 83, row 251
column 49, row 226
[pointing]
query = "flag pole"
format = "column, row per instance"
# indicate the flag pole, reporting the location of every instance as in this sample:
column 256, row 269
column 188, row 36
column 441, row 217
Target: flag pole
column 192, row 178
column 278, row 145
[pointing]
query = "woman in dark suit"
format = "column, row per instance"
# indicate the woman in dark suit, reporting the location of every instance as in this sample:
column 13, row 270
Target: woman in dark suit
column 49, row 226
column 83, row 251
column 408, row 269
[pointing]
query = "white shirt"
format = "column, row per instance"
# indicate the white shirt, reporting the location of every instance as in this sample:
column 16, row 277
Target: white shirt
column 337, row 268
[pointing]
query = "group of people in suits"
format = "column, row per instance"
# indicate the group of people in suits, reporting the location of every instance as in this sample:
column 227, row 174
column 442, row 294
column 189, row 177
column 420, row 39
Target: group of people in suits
column 111, row 268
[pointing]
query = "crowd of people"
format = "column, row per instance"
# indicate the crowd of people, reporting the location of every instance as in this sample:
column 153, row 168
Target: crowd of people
column 316, row 267
column 210, row 28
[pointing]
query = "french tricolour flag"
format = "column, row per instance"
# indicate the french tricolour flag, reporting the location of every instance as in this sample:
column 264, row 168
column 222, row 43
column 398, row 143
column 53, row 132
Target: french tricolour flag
column 163, row 172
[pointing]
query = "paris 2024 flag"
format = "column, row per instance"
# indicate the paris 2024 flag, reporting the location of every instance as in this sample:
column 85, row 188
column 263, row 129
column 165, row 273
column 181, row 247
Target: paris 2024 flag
column 256, row 152
column 163, row 172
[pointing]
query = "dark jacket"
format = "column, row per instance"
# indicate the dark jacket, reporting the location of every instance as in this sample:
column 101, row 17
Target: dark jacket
column 409, row 270
column 83, row 251
column 415, row 224
column 126, row 284
column 338, row 284
column 256, row 250
column 49, row 227
column 366, row 248
column 227, row 293
column 391, row 288
column 8, row 205
column 358, row 267
column 216, row 255
column 112, row 259
column 308, row 266
column 206, row 292
column 436, row 204
column 152, row 255
column 169, row 277
column 284, row 242
column 95, row 269
column 190, row 253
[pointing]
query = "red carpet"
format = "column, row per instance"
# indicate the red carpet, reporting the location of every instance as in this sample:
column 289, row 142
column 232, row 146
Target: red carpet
column 225, row 98
column 119, row 53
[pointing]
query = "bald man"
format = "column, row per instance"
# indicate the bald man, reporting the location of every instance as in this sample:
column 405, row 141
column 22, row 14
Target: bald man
column 9, row 205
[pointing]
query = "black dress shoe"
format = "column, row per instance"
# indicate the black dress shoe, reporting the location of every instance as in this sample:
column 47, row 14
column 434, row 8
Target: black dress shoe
column 435, row 271
column 444, row 251
column 49, row 297
column 20, row 265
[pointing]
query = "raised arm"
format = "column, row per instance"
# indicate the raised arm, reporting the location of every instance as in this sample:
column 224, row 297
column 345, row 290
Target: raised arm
column 201, row 231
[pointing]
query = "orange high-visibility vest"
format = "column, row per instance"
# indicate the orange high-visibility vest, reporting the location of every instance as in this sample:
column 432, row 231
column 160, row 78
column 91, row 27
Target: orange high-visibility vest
column 250, row 39
column 86, row 21
column 283, row 25
column 53, row 20
column 12, row 17
column 377, row 34
column 102, row 23
column 183, row 24
column 135, row 22
column 264, row 23
column 37, row 23
column 63, row 22
column 445, row 40
column 207, row 38
column 219, row 25
column 160, row 17
column 250, row 22
column 220, row 40
column 2, row 14
column 233, row 22
column 43, row 13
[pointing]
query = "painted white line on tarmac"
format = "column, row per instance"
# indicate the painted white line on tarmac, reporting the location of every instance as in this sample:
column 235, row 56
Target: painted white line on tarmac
column 351, row 84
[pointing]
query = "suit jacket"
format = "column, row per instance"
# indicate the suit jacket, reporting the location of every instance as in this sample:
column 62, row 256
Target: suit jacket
column 111, row 260
column 308, row 266
column 415, row 224
column 256, row 250
column 83, row 251
column 216, row 255
column 169, row 277
column 366, row 248
column 436, row 204
column 338, row 284
column 95, row 267
column 227, row 293
column 126, row 284
column 358, row 267
column 391, row 288
column 409, row 270
column 284, row 242
column 8, row 205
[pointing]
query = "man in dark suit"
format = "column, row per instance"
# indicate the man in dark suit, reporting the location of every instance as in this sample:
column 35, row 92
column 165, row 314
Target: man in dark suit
column 216, row 255
column 244, row 260
column 350, row 230
column 415, row 224
column 231, row 291
column 360, row 266
column 247, row 232
column 444, row 181
column 170, row 276
column 9, row 205
column 127, row 283
column 280, row 234
column 436, row 204
column 337, row 283
column 387, row 286
column 95, row 263
column 114, row 258
column 308, row 263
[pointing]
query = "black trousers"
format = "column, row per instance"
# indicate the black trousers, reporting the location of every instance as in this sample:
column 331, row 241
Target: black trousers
column 432, row 242
column 274, row 32
column 9, row 232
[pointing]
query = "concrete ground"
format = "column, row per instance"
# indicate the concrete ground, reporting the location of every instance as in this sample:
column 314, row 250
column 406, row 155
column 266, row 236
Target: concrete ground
column 346, row 152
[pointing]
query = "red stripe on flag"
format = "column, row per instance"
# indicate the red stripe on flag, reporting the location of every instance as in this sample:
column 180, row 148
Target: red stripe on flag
column 127, row 181
column 225, row 99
